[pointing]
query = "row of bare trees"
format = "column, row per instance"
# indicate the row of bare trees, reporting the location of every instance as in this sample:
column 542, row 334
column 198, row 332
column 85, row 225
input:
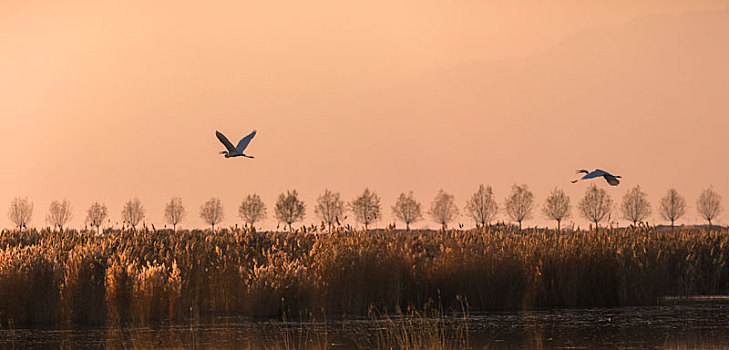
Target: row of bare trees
column 482, row 207
column 597, row 206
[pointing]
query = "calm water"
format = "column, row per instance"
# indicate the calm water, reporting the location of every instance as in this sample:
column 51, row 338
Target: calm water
column 700, row 324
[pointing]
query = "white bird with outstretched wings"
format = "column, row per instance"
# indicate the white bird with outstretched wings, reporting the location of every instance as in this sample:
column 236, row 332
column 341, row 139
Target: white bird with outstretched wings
column 610, row 178
column 236, row 151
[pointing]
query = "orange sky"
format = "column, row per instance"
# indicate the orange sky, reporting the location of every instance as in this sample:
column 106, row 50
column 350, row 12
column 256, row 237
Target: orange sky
column 106, row 102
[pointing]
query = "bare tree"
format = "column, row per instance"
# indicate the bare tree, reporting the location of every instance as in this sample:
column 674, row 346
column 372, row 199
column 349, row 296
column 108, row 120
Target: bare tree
column 132, row 213
column 329, row 207
column 673, row 206
column 709, row 204
column 289, row 208
column 252, row 210
column 366, row 208
column 212, row 212
column 519, row 203
column 443, row 209
column 95, row 215
column 20, row 212
column 59, row 213
column 482, row 206
column 596, row 205
column 635, row 205
column 407, row 209
column 174, row 212
column 557, row 207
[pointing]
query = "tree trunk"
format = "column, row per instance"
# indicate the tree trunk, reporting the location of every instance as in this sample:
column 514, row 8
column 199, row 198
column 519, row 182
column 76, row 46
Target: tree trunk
column 519, row 226
column 709, row 224
column 559, row 227
column 407, row 226
column 671, row 224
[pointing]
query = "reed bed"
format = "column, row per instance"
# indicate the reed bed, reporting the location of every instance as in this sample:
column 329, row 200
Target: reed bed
column 147, row 277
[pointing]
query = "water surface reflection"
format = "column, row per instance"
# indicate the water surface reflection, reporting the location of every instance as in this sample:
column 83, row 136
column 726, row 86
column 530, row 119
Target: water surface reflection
column 679, row 325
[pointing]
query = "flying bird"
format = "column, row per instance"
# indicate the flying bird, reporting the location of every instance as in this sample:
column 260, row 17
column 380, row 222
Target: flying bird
column 236, row 151
column 611, row 179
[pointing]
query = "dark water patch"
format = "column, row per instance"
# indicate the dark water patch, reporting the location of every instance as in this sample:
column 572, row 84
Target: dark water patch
column 673, row 325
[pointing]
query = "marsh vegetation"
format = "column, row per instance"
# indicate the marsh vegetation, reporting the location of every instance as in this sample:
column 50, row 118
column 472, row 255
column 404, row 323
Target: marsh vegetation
column 145, row 277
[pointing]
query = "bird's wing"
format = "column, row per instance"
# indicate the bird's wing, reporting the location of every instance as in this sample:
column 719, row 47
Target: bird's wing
column 243, row 143
column 225, row 142
column 594, row 174
column 612, row 180
column 603, row 172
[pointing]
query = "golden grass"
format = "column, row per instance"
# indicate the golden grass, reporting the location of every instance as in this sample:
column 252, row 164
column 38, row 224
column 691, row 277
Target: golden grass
column 148, row 277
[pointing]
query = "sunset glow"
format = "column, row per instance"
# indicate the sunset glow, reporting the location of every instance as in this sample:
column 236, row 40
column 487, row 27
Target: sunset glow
column 108, row 102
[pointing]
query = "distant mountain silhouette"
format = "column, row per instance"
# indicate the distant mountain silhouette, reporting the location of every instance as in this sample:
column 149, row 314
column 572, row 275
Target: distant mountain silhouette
column 664, row 227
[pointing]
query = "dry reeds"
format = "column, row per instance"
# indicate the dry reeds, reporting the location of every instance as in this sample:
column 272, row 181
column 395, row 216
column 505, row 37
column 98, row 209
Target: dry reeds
column 148, row 277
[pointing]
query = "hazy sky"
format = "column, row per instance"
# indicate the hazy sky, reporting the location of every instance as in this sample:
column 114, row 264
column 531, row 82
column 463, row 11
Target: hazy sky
column 103, row 101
